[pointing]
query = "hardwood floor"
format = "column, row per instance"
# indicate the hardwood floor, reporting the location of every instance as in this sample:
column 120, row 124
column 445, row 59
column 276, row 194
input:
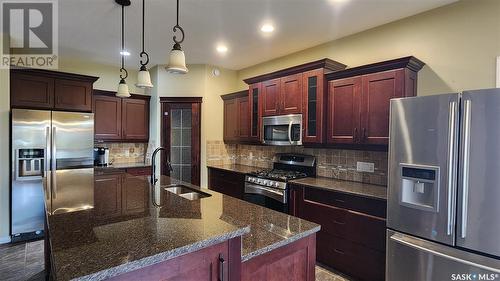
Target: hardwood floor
column 25, row 261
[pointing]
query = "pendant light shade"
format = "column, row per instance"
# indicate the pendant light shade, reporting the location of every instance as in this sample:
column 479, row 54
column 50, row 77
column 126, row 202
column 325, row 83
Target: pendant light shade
column 123, row 91
column 143, row 77
column 177, row 60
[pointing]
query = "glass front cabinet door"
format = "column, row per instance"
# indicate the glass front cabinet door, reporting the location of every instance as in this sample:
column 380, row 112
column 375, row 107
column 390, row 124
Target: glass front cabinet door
column 255, row 113
column 313, row 108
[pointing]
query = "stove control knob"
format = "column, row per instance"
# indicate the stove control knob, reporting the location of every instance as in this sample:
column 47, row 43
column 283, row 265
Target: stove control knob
column 270, row 183
column 259, row 181
column 276, row 184
column 265, row 182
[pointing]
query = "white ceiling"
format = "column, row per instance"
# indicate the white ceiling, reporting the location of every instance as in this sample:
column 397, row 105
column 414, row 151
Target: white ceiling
column 90, row 29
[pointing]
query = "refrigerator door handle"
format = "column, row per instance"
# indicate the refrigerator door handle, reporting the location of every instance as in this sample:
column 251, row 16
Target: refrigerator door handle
column 466, row 160
column 413, row 243
column 47, row 151
column 54, row 164
column 452, row 142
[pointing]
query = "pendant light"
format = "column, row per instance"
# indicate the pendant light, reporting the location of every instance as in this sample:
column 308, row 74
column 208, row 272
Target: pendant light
column 143, row 78
column 177, row 62
column 123, row 91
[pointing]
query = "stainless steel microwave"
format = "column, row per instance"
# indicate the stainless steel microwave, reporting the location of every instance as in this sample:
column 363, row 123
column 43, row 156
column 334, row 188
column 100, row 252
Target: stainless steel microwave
column 282, row 130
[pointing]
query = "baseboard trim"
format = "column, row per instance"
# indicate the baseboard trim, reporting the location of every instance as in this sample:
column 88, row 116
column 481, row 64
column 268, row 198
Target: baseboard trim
column 5, row 240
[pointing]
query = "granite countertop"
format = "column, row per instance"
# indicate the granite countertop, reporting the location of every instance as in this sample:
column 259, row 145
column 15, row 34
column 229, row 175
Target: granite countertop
column 356, row 188
column 124, row 165
column 92, row 240
column 237, row 168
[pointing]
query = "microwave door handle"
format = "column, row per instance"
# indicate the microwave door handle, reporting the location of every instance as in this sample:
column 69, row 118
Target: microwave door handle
column 290, row 132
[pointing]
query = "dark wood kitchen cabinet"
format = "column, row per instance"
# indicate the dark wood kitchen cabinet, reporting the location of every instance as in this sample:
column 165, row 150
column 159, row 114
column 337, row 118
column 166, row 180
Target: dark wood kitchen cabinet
column 50, row 90
column 291, row 94
column 214, row 263
column 255, row 111
column 108, row 195
column 352, row 235
column 271, row 97
column 237, row 116
column 135, row 119
column 313, row 112
column 226, row 182
column 343, row 110
column 119, row 119
column 358, row 100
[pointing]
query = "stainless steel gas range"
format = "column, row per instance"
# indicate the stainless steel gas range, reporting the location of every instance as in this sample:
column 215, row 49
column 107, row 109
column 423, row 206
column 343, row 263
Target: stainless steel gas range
column 270, row 187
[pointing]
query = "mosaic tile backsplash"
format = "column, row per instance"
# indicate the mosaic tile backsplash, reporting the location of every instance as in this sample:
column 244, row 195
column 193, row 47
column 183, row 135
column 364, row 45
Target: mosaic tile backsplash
column 125, row 152
column 332, row 163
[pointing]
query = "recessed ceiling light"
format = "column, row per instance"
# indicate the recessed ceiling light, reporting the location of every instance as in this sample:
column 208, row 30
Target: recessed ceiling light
column 221, row 49
column 267, row 28
column 125, row 53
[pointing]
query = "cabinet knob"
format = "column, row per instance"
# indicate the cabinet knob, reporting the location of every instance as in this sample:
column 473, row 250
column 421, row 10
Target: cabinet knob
column 364, row 134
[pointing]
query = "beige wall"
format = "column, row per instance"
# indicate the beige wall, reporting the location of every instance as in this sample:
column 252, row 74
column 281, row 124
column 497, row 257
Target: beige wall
column 458, row 42
column 4, row 153
column 109, row 76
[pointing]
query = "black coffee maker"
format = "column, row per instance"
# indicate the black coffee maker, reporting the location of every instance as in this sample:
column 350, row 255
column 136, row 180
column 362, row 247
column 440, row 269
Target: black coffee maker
column 101, row 156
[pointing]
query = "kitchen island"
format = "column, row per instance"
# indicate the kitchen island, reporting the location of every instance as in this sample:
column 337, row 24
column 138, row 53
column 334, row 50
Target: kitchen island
column 107, row 224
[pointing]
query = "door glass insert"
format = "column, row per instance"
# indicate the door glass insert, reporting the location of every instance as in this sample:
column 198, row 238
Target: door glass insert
column 180, row 144
column 255, row 111
column 312, row 86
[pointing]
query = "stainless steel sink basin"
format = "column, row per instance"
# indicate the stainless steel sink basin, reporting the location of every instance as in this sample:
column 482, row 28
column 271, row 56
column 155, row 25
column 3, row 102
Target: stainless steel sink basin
column 194, row 195
column 186, row 192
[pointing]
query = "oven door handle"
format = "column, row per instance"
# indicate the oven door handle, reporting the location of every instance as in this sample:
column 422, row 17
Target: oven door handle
column 276, row 194
column 290, row 132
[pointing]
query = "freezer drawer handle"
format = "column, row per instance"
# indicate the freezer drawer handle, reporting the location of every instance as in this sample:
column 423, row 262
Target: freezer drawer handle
column 451, row 166
column 465, row 175
column 411, row 242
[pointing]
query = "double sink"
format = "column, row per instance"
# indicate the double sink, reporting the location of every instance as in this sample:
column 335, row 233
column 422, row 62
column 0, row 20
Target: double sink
column 185, row 192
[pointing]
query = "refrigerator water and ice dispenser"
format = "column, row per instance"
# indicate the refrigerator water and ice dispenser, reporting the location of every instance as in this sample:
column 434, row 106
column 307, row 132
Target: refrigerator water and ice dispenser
column 30, row 163
column 419, row 187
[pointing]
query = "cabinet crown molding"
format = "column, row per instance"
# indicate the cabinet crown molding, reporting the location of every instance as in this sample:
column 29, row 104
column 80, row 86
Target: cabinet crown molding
column 328, row 64
column 98, row 92
column 411, row 62
column 234, row 95
column 54, row 74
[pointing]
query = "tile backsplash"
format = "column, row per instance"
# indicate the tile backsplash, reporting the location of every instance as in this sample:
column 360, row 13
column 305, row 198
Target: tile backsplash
column 125, row 152
column 332, row 163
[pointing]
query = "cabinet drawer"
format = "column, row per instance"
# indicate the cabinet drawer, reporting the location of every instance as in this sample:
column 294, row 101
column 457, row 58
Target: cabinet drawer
column 146, row 171
column 351, row 258
column 356, row 227
column 373, row 207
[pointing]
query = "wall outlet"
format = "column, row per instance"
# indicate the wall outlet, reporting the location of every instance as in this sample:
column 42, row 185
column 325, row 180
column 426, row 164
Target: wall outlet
column 365, row 167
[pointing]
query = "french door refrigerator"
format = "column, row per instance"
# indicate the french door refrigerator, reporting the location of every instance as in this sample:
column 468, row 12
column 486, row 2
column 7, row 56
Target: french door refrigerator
column 43, row 142
column 444, row 187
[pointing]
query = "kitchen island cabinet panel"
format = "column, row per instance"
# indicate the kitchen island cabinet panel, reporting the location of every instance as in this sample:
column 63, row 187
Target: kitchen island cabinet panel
column 295, row 262
column 226, row 182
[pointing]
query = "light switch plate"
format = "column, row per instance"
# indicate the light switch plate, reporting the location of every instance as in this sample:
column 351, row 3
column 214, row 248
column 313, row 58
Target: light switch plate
column 365, row 167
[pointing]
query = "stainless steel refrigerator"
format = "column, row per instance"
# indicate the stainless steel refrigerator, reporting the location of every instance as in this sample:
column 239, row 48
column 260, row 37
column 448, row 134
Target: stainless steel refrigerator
column 444, row 187
column 43, row 141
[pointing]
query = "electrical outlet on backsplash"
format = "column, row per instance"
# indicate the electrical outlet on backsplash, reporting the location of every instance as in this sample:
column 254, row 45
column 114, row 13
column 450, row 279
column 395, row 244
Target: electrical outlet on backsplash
column 332, row 163
column 125, row 152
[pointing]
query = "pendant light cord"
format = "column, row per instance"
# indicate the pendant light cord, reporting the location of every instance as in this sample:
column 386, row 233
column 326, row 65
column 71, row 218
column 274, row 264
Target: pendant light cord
column 123, row 46
column 143, row 53
column 177, row 26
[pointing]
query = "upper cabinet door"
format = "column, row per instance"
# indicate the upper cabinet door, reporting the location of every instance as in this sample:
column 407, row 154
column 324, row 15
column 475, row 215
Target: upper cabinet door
column 135, row 119
column 255, row 113
column 73, row 95
column 230, row 120
column 243, row 118
column 108, row 118
column 270, row 97
column 378, row 89
column 313, row 106
column 29, row 91
column 291, row 94
column 343, row 110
